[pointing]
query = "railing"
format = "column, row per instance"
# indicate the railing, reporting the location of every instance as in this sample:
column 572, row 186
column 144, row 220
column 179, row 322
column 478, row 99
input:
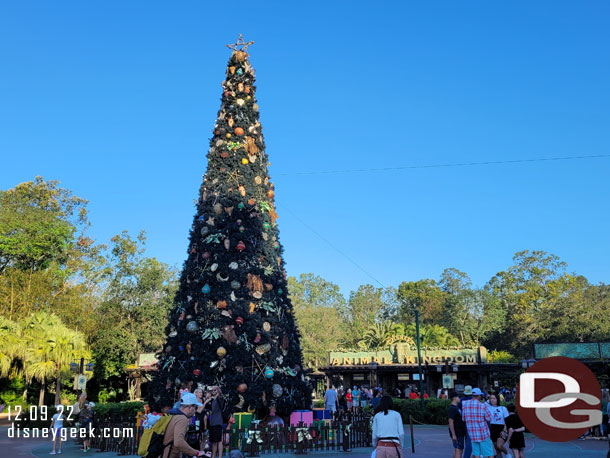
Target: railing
column 123, row 437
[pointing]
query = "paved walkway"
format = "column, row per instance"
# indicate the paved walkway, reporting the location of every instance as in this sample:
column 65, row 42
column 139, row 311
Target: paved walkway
column 430, row 442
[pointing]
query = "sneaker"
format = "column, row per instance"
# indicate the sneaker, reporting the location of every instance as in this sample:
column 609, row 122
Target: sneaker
column 52, row 453
column 59, row 453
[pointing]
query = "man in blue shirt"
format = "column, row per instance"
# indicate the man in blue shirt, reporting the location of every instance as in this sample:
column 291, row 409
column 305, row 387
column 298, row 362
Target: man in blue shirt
column 330, row 400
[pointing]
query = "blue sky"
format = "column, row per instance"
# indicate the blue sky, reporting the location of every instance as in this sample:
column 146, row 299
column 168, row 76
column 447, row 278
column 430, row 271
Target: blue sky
column 117, row 100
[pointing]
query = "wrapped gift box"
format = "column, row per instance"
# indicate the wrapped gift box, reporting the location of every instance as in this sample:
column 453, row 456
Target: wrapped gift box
column 323, row 428
column 242, row 420
column 301, row 416
column 322, row 414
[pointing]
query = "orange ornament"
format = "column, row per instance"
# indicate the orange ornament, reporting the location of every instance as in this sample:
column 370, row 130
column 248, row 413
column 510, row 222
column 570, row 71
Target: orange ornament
column 238, row 131
column 270, row 193
column 224, row 155
column 228, row 135
column 251, row 202
column 221, row 304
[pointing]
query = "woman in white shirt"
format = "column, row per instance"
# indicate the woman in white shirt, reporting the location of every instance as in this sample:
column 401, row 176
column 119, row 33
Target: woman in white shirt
column 497, row 428
column 388, row 430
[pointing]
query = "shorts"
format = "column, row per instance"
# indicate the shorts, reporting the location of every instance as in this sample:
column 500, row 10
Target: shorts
column 496, row 432
column 349, row 404
column 459, row 443
column 484, row 448
column 331, row 407
column 216, row 433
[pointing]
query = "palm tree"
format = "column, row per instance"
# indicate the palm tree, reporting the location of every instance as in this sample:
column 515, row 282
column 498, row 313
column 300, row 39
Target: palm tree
column 379, row 335
column 10, row 345
column 65, row 346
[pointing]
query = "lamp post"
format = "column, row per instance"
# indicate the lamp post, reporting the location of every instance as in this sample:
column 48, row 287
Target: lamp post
column 421, row 382
column 79, row 368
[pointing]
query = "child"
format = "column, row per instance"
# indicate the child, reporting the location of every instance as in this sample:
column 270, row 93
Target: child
column 56, row 425
column 516, row 440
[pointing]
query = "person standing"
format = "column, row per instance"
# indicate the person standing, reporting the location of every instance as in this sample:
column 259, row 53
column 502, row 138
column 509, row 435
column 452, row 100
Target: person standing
column 497, row 428
column 457, row 427
column 356, row 398
column 388, row 430
column 349, row 399
column 467, row 444
column 516, row 439
column 174, row 443
column 476, row 416
column 330, row 400
column 216, row 422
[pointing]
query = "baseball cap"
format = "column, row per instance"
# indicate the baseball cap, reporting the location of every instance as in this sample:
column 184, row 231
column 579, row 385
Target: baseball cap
column 477, row 392
column 468, row 390
column 91, row 404
column 190, row 399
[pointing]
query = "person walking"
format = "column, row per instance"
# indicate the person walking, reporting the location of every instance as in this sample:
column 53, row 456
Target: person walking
column 516, row 439
column 57, row 423
column 476, row 416
column 86, row 422
column 497, row 428
column 174, row 443
column 349, row 399
column 457, row 427
column 388, row 430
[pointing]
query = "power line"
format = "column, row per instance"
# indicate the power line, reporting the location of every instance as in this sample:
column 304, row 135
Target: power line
column 455, row 164
column 333, row 246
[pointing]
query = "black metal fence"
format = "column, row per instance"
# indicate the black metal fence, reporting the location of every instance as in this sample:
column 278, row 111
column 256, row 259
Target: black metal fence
column 355, row 431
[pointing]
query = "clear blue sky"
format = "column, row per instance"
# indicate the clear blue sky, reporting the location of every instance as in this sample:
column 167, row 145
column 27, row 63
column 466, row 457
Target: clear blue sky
column 117, row 100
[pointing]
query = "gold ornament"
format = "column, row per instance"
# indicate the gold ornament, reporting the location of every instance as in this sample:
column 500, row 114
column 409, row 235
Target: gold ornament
column 267, row 326
column 221, row 352
column 244, row 161
column 241, row 102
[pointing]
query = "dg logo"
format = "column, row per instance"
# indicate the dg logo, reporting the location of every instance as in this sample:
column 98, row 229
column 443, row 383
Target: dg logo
column 559, row 399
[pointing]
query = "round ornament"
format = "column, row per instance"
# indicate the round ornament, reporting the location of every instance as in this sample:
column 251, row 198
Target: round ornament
column 192, row 326
column 196, row 372
column 240, row 103
column 240, row 56
column 258, row 180
column 221, row 352
column 242, row 387
column 173, row 334
column 235, row 284
column 262, row 349
column 267, row 326
column 241, row 246
column 239, row 320
column 233, row 266
column 228, row 135
column 206, row 289
column 244, row 161
column 238, row 131
column 213, row 267
column 240, row 71
column 269, row 372
column 277, row 390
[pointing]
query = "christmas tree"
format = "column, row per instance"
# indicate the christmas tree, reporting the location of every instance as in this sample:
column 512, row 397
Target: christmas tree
column 232, row 323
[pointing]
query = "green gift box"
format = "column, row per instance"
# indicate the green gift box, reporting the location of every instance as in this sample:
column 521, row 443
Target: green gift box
column 242, row 421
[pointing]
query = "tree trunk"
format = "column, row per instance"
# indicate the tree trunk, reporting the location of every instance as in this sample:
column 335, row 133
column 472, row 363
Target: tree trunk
column 41, row 396
column 58, row 388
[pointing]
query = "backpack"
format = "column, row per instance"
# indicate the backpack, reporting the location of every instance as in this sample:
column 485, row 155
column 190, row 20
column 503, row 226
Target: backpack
column 151, row 442
column 225, row 409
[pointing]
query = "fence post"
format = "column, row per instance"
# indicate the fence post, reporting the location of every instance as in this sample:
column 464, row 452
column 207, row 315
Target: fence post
column 412, row 437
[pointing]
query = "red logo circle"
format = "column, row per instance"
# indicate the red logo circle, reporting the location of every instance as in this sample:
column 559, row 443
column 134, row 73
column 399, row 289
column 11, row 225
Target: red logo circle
column 559, row 399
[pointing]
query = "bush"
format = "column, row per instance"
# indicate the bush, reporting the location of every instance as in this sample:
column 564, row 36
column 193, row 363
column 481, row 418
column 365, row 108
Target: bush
column 318, row 403
column 434, row 413
column 125, row 411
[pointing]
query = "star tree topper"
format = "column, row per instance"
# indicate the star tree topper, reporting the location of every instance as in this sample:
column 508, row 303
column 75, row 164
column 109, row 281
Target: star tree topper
column 241, row 44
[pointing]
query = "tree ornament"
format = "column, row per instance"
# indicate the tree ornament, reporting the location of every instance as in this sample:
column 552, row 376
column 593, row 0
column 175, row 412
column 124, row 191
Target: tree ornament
column 192, row 326
column 233, row 265
column 196, row 372
column 268, row 372
column 227, row 243
column 235, row 284
column 206, row 255
column 238, row 131
column 255, row 107
column 228, row 333
column 241, row 246
column 266, row 326
column 221, row 304
column 242, row 190
column 213, row 267
column 244, row 161
column 242, row 387
column 172, row 334
column 240, row 71
column 228, row 135
column 257, row 339
column 277, row 390
column 217, row 209
column 252, row 307
column 239, row 320
column 206, row 289
column 221, row 352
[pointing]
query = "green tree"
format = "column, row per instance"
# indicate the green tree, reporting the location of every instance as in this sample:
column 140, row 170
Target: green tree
column 528, row 293
column 133, row 311
column 468, row 313
column 423, row 295
column 366, row 306
column 316, row 303
column 379, row 335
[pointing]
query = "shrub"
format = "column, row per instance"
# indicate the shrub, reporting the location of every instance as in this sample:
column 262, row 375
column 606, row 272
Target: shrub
column 434, row 413
column 124, row 411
